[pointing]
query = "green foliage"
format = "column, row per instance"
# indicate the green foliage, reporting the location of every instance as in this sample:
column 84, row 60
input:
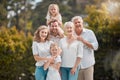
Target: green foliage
column 22, row 10
column 103, row 25
column 102, row 67
column 3, row 13
column 15, row 54
column 115, row 65
column 107, row 30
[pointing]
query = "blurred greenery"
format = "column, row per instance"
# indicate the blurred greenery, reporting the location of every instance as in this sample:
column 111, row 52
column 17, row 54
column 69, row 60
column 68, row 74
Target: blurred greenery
column 15, row 54
column 16, row 59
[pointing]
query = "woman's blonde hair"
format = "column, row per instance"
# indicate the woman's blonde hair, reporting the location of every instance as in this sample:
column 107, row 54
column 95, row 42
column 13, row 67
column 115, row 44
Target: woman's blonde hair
column 37, row 36
column 51, row 5
column 69, row 23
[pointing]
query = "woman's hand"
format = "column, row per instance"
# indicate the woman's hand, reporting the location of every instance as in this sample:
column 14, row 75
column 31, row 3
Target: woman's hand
column 73, row 70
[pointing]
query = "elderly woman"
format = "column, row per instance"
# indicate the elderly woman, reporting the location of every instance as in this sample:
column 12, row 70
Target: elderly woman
column 72, row 52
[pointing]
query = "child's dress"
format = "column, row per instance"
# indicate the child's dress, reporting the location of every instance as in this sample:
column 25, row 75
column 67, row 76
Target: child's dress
column 53, row 74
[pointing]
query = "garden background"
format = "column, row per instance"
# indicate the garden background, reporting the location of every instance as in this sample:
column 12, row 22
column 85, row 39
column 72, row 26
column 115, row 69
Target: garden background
column 20, row 18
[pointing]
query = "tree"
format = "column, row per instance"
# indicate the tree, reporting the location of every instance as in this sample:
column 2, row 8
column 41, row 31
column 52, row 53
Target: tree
column 107, row 31
column 3, row 13
column 19, row 13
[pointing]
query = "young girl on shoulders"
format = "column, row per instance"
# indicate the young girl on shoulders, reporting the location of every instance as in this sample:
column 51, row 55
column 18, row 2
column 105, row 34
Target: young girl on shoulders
column 54, row 14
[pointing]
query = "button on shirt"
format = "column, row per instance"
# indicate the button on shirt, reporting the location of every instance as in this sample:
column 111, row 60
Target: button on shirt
column 88, row 53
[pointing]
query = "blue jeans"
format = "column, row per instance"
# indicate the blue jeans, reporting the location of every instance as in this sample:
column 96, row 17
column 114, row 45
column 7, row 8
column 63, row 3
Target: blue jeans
column 66, row 74
column 40, row 73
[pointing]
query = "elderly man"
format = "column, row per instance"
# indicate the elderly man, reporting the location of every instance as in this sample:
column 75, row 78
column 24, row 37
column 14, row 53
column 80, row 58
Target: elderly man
column 88, row 38
column 55, row 32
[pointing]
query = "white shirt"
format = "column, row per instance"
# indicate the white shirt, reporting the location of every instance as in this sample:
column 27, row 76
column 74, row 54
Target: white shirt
column 55, row 38
column 41, row 49
column 58, row 17
column 53, row 73
column 88, row 53
column 70, row 54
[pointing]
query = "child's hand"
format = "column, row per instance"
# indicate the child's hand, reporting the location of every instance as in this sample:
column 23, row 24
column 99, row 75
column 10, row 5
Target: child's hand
column 59, row 51
column 53, row 19
column 52, row 61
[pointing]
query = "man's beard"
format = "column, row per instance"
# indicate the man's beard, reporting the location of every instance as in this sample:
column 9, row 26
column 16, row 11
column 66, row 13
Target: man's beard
column 54, row 32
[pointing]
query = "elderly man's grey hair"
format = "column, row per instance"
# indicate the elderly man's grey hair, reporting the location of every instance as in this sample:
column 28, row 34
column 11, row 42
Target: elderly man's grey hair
column 77, row 17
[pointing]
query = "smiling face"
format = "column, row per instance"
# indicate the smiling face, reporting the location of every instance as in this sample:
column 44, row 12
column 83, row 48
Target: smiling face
column 53, row 9
column 54, row 49
column 43, row 34
column 69, row 28
column 78, row 25
column 54, row 27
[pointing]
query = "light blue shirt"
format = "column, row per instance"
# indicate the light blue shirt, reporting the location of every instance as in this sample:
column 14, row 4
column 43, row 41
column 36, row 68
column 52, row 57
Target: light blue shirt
column 88, row 53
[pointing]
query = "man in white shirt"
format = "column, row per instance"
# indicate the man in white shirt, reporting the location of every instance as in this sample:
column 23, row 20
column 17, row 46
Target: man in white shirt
column 55, row 33
column 88, row 38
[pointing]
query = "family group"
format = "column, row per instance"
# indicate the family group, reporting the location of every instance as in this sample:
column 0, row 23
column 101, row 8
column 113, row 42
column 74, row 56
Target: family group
column 63, row 51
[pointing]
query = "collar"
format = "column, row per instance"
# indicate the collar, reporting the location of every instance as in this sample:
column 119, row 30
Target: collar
column 84, row 30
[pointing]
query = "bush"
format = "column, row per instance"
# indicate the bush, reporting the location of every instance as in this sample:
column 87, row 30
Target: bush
column 116, row 66
column 16, row 58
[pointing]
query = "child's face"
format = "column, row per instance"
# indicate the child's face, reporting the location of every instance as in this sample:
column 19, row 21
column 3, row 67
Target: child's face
column 53, row 10
column 54, row 50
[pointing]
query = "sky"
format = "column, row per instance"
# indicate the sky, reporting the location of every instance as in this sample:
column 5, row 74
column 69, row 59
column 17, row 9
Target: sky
column 37, row 1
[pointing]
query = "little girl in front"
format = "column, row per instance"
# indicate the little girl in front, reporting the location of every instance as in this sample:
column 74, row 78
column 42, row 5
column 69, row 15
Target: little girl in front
column 54, row 14
column 53, row 65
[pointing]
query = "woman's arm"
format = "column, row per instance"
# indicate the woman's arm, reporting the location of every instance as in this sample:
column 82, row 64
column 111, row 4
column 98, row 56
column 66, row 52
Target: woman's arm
column 73, row 70
column 38, row 58
column 47, row 64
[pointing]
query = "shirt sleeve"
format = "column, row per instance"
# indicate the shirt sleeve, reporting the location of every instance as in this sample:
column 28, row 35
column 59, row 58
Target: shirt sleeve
column 60, row 17
column 58, row 59
column 94, row 41
column 80, row 50
column 60, row 43
column 34, row 48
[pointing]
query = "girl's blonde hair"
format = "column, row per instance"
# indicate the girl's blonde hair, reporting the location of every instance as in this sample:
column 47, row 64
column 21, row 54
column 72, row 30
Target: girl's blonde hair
column 37, row 36
column 52, row 5
column 53, row 45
